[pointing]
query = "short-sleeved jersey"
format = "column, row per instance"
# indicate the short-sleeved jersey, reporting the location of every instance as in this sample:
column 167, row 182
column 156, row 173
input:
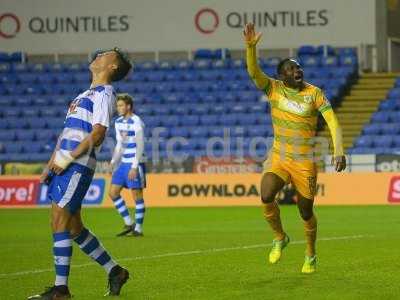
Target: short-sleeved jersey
column 125, row 132
column 294, row 117
column 94, row 106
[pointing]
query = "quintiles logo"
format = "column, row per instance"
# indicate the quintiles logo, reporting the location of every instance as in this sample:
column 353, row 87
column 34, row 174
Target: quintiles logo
column 206, row 20
column 10, row 25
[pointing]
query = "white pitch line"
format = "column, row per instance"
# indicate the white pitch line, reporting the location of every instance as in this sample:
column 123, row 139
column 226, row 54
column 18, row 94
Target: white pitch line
column 185, row 253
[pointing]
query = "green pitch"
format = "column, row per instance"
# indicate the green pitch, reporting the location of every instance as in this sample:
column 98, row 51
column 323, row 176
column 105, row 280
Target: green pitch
column 213, row 253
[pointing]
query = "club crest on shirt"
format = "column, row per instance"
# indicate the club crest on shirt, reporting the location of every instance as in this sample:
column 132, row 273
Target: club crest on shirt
column 308, row 99
column 73, row 106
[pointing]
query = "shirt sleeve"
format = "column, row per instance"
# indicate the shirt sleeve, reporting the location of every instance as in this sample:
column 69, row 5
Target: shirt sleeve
column 139, row 133
column 322, row 104
column 103, row 108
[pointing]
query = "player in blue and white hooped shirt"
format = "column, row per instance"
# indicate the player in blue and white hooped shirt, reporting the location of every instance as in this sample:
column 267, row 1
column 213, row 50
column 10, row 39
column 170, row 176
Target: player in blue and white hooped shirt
column 128, row 166
column 70, row 172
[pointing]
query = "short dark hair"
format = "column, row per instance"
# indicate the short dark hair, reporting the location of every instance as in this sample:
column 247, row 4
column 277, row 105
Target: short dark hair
column 126, row 98
column 123, row 67
column 281, row 64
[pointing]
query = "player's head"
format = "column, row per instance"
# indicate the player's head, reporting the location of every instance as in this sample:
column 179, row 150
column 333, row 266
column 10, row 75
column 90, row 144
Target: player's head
column 290, row 72
column 114, row 63
column 124, row 104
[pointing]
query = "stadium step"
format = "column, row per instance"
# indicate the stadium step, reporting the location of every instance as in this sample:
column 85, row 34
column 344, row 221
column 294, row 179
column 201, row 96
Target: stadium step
column 360, row 103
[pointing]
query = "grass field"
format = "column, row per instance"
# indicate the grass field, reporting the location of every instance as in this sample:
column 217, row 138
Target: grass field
column 213, row 253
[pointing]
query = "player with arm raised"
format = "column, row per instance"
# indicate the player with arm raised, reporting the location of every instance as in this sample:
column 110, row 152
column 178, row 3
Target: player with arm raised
column 70, row 172
column 294, row 109
column 128, row 165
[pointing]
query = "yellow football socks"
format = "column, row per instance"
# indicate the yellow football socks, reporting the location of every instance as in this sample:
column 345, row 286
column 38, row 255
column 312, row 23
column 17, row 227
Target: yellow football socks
column 272, row 215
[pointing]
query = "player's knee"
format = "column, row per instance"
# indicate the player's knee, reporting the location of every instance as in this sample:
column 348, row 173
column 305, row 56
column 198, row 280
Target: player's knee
column 268, row 197
column 113, row 195
column 58, row 223
column 306, row 214
column 139, row 194
column 76, row 230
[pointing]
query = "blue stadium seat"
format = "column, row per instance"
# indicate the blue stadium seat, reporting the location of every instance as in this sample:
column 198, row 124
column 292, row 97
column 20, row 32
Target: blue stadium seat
column 348, row 60
column 166, row 65
column 397, row 83
column 180, row 110
column 209, row 120
column 201, row 109
column 36, row 123
column 46, row 134
column 238, row 108
column 26, row 135
column 7, row 135
column 394, row 93
column 219, row 109
column 383, row 141
column 41, row 100
column 380, row 117
column 14, row 147
column 261, row 107
column 247, row 119
column 9, row 78
column 179, row 132
column 190, row 120
column 371, row 129
column 49, row 111
column 24, row 77
column 237, row 64
column 12, row 112
column 152, row 121
column 4, row 57
column 170, row 121
column 310, row 61
column 364, row 141
column 204, row 54
column 57, row 68
column 387, row 105
column 258, row 131
column 307, row 50
column 390, row 129
column 198, row 132
column 271, row 62
column 228, row 120
column 202, row 64
column 347, row 52
column 5, row 68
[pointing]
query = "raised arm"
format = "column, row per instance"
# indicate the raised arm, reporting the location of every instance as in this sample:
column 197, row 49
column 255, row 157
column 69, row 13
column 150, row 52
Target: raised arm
column 261, row 80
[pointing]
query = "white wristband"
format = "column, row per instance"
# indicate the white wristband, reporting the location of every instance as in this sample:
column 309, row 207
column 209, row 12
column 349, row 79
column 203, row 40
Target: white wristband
column 63, row 159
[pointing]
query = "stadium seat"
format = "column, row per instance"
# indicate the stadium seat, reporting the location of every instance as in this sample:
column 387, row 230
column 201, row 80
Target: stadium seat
column 198, row 132
column 372, row 129
column 26, row 135
column 394, row 93
column 364, row 141
column 307, row 50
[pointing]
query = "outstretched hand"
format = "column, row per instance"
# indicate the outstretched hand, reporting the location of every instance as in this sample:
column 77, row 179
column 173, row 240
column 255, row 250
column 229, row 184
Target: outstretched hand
column 249, row 34
column 339, row 162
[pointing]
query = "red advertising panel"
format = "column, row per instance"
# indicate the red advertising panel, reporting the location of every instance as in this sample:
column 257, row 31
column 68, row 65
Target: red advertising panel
column 394, row 190
column 17, row 192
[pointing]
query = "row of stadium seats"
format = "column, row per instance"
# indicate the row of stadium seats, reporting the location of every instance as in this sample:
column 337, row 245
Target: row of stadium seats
column 162, row 76
column 43, row 135
column 151, row 121
column 308, row 61
column 144, row 110
column 165, row 87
